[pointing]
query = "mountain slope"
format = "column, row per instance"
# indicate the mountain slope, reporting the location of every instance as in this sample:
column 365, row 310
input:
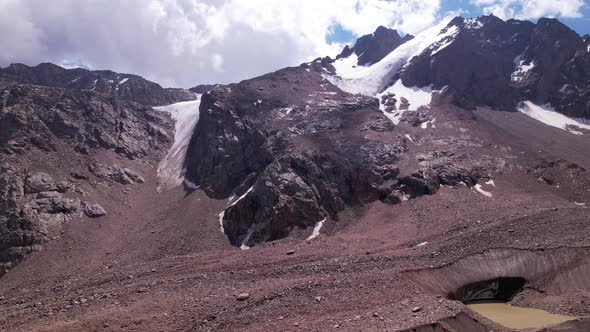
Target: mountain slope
column 121, row 86
column 485, row 62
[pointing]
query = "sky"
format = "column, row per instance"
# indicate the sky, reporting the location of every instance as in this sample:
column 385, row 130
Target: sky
column 182, row 43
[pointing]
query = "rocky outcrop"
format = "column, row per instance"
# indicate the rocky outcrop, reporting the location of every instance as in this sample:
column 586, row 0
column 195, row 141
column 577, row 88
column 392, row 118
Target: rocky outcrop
column 35, row 117
column 44, row 127
column 115, row 173
column 119, row 86
column 289, row 150
column 29, row 204
column 374, row 47
column 202, row 88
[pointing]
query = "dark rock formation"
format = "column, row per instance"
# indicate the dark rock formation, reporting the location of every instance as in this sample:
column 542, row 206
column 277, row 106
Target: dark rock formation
column 496, row 63
column 202, row 88
column 374, row 47
column 35, row 117
column 290, row 150
column 121, row 86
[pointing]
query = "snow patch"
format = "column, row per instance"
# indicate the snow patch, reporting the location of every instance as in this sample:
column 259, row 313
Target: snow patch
column 221, row 215
column 473, row 23
column 579, row 204
column 480, row 190
column 416, row 97
column 409, row 138
column 316, row 229
column 550, row 117
column 491, row 182
column 190, row 185
column 422, row 244
column 247, row 238
column 185, row 114
column 448, row 40
column 563, row 88
column 521, row 69
column 123, row 81
column 230, row 204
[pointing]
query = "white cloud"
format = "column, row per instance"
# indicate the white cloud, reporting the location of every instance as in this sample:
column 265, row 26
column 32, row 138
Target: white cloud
column 217, row 62
column 185, row 42
column 531, row 9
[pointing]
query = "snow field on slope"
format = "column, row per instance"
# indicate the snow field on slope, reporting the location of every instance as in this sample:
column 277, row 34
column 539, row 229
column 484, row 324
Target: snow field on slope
column 372, row 79
column 547, row 115
column 417, row 97
column 185, row 115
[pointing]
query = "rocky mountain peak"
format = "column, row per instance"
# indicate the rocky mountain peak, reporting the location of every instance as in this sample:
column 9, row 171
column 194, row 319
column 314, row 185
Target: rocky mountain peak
column 373, row 47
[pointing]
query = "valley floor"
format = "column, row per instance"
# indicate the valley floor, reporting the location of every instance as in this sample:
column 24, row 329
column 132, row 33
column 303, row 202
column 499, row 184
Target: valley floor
column 159, row 262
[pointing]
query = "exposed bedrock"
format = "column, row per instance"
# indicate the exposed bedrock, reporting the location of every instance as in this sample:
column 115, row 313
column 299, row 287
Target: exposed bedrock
column 289, row 149
column 499, row 273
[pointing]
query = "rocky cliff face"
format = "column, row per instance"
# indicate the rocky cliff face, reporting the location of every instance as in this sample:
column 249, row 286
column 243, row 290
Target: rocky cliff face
column 48, row 140
column 121, row 86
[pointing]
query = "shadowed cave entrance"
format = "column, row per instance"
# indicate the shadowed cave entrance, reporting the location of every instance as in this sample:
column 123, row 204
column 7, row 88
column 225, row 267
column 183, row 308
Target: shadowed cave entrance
column 498, row 289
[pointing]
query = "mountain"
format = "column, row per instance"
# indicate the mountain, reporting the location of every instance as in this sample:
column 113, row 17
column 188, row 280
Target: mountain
column 122, row 86
column 484, row 62
column 372, row 48
column 391, row 188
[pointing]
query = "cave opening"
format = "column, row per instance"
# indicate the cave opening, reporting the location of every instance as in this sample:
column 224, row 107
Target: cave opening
column 501, row 289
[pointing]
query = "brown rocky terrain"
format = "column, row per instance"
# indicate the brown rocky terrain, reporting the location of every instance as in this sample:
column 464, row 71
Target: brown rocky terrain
column 351, row 222
column 121, row 86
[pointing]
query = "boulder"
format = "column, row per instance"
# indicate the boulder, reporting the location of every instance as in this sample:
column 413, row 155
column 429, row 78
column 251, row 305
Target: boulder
column 93, row 210
column 39, row 182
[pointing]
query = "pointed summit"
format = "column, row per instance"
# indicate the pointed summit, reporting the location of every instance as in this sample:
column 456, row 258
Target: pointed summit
column 373, row 47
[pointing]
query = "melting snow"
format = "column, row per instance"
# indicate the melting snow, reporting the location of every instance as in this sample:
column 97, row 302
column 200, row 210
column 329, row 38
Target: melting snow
column 521, row 69
column 491, row 182
column 190, row 185
column 549, row 116
column 479, row 189
column 473, row 23
column 247, row 238
column 417, row 97
column 316, row 229
column 448, row 40
column 580, row 204
column 123, row 81
column 230, row 204
column 372, row 79
column 221, row 214
column 186, row 115
column 563, row 88
column 422, row 244
column 409, row 138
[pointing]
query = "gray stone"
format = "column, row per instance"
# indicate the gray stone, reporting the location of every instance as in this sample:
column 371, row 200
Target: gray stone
column 39, row 182
column 94, row 210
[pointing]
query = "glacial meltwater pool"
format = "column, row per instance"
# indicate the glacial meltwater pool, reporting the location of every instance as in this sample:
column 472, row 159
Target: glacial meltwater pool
column 517, row 317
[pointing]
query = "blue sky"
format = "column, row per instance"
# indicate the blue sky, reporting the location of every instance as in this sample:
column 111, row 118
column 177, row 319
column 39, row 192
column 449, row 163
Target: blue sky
column 467, row 8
